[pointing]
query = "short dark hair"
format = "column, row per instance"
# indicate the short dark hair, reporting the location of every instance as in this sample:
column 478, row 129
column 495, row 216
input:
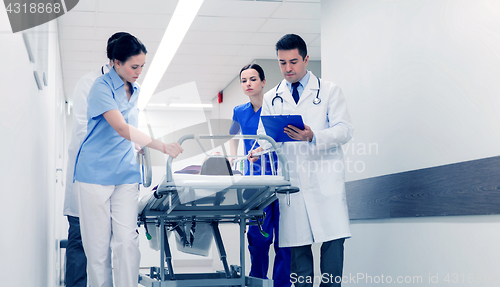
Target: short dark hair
column 290, row 42
column 111, row 43
column 255, row 67
column 216, row 165
column 127, row 46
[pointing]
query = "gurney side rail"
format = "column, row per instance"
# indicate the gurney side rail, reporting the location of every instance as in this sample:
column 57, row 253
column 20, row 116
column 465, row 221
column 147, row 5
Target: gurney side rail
column 281, row 157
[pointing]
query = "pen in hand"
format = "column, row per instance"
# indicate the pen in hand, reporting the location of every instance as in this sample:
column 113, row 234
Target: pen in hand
column 253, row 155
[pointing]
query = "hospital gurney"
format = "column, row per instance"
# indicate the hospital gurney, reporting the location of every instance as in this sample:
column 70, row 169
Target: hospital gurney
column 195, row 200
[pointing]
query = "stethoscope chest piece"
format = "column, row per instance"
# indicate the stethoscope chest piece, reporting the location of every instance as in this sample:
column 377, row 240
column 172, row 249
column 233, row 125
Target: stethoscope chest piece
column 316, row 101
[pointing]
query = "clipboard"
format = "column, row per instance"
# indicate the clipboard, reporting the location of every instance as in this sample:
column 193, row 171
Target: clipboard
column 275, row 125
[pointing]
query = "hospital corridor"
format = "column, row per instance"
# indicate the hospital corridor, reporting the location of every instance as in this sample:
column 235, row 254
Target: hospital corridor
column 250, row 143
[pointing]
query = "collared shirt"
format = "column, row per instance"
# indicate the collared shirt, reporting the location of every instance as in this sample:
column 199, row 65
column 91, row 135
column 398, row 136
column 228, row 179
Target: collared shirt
column 246, row 121
column 105, row 157
column 303, row 83
column 79, row 130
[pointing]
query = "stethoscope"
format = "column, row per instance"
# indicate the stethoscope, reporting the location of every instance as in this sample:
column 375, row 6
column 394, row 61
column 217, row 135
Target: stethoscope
column 316, row 100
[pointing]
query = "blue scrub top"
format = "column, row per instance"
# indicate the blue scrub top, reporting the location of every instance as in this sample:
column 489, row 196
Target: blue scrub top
column 246, row 121
column 105, row 157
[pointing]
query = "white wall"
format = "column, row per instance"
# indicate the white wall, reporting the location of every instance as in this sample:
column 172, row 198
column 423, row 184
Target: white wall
column 29, row 238
column 420, row 78
column 421, row 83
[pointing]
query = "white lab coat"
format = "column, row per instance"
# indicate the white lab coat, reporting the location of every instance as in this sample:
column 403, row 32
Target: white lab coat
column 78, row 133
column 318, row 212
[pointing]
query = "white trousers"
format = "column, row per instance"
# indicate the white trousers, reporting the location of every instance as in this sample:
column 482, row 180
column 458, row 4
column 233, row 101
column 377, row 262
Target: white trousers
column 108, row 222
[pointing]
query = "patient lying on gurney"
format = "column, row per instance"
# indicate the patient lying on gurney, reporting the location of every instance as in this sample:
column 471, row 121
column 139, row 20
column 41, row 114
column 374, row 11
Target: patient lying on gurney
column 185, row 233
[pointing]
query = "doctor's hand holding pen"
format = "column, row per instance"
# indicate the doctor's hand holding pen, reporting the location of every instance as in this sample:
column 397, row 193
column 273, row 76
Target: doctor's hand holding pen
column 293, row 132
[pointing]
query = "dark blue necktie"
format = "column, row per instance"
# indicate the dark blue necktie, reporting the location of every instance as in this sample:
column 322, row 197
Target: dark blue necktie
column 295, row 92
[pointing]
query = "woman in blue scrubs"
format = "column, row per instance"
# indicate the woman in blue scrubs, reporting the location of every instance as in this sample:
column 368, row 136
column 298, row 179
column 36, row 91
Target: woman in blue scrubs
column 107, row 174
column 246, row 121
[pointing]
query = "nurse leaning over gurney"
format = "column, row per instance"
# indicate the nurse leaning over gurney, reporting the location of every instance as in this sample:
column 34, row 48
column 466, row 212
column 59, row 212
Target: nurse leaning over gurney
column 107, row 174
column 76, row 261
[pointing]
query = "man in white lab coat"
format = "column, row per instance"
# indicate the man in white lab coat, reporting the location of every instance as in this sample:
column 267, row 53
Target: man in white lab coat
column 318, row 212
column 76, row 261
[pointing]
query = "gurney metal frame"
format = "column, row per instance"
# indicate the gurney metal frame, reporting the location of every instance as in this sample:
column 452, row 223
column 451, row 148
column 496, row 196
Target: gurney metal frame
column 165, row 210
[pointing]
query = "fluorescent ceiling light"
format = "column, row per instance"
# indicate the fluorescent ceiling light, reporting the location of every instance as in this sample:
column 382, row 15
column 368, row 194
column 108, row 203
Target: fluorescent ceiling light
column 183, row 16
column 185, row 105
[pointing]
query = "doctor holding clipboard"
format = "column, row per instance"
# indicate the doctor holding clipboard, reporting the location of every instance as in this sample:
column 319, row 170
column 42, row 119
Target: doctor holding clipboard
column 318, row 212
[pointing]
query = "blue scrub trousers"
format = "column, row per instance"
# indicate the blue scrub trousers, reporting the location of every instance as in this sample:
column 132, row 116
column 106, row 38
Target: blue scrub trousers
column 76, row 261
column 259, row 246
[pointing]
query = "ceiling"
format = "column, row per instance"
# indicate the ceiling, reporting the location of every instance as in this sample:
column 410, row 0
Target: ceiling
column 226, row 35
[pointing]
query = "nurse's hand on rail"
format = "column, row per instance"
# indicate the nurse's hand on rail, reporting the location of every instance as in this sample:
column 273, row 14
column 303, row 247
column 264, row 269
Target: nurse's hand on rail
column 250, row 154
column 138, row 148
column 301, row 135
column 232, row 159
column 172, row 149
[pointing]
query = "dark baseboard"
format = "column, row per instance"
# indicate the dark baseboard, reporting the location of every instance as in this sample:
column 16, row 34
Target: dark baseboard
column 465, row 188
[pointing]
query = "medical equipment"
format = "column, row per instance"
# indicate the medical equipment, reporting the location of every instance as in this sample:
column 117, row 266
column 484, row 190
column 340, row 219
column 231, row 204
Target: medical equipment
column 182, row 202
column 144, row 158
column 316, row 100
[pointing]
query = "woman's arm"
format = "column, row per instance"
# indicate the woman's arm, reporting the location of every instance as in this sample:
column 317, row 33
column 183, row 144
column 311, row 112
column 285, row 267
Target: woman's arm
column 233, row 149
column 233, row 146
column 116, row 120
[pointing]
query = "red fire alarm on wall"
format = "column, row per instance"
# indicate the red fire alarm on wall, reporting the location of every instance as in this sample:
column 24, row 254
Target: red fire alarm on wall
column 219, row 97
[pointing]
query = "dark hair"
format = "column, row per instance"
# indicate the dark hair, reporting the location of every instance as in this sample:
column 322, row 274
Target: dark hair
column 216, row 165
column 127, row 46
column 111, row 43
column 255, row 67
column 290, row 42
